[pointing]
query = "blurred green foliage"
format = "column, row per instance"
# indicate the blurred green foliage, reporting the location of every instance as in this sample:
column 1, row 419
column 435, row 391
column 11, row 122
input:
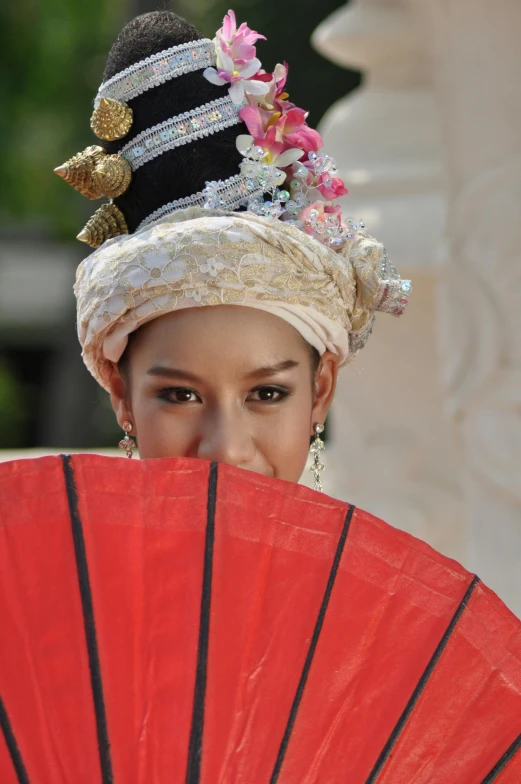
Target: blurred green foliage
column 13, row 407
column 53, row 53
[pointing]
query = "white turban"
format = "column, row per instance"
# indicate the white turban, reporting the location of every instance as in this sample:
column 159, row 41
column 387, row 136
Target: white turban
column 197, row 257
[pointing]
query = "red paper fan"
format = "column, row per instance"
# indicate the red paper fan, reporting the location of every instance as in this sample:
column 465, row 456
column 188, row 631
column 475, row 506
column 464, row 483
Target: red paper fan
column 175, row 621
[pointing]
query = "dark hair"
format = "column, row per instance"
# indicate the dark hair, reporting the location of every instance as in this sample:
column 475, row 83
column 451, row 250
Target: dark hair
column 184, row 170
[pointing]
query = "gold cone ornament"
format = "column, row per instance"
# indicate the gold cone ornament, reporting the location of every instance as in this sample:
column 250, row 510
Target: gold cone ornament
column 112, row 176
column 77, row 171
column 111, row 119
column 95, row 174
column 107, row 222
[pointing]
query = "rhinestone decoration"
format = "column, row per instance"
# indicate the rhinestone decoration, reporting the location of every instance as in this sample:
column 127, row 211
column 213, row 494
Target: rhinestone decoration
column 183, row 129
column 157, row 69
column 290, row 203
column 317, row 446
column 396, row 293
column 223, row 194
column 231, row 193
column 332, row 231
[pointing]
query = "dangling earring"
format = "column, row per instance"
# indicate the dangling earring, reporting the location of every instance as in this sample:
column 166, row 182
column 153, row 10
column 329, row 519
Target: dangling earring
column 317, row 446
column 127, row 443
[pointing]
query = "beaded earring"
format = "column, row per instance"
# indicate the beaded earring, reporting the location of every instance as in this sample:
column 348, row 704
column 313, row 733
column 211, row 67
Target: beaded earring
column 127, row 443
column 317, row 446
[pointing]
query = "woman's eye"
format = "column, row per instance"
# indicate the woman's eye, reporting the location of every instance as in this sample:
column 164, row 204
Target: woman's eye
column 178, row 395
column 269, row 394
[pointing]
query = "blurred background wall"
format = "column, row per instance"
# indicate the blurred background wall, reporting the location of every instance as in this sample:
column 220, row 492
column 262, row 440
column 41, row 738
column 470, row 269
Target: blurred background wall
column 427, row 426
column 419, row 102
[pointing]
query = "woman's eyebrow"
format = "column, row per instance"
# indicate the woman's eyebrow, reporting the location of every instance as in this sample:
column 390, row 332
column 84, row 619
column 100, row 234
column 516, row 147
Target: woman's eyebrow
column 185, row 375
column 272, row 370
column 169, row 372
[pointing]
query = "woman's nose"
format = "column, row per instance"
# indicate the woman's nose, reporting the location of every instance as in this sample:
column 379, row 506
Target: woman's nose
column 225, row 438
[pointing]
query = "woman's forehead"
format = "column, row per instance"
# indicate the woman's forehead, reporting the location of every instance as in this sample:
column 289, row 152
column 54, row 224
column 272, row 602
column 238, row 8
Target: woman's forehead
column 228, row 325
column 242, row 337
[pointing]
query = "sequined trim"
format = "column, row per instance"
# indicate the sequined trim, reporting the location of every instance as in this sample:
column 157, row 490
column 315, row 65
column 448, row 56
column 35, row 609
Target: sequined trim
column 225, row 194
column 157, row 69
column 187, row 127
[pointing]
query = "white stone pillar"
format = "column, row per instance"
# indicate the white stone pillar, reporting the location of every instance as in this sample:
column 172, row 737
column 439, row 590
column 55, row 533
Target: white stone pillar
column 476, row 63
column 391, row 448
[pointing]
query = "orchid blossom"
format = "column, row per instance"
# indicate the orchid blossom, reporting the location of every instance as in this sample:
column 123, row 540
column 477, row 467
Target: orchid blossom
column 236, row 44
column 297, row 133
column 237, row 63
column 274, row 149
column 291, row 128
column 275, row 98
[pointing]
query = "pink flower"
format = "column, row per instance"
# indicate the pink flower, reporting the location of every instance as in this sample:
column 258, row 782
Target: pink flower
column 297, row 133
column 257, row 120
column 331, row 187
column 238, row 44
column 236, row 60
column 291, row 128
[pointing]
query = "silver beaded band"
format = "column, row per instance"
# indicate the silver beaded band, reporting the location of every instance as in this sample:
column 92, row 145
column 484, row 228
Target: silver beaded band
column 395, row 292
column 157, row 69
column 220, row 194
column 187, row 127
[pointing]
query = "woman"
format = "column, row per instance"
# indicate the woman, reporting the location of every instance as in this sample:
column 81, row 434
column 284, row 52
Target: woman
column 310, row 283
column 259, row 633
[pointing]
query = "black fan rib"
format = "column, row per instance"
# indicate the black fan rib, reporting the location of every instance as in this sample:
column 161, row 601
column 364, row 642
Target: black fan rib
column 503, row 762
column 311, row 652
column 88, row 621
column 193, row 770
column 400, row 724
column 12, row 746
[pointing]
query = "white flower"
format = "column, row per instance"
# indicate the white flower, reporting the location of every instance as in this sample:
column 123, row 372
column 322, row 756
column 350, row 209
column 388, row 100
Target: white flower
column 238, row 76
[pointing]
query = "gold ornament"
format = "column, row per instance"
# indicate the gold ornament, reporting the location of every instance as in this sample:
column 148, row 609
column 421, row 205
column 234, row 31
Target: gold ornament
column 107, row 222
column 95, row 174
column 111, row 119
column 112, row 176
column 77, row 171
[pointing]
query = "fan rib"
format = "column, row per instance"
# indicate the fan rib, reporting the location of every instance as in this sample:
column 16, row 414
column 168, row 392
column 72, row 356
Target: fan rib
column 88, row 620
column 386, row 751
column 193, row 771
column 314, row 641
column 12, row 746
column 503, row 762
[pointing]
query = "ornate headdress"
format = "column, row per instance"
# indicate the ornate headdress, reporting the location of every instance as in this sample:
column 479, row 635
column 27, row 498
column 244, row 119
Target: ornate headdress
column 290, row 252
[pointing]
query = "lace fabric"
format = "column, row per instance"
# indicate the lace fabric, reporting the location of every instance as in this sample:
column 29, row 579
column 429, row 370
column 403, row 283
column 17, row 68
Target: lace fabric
column 198, row 257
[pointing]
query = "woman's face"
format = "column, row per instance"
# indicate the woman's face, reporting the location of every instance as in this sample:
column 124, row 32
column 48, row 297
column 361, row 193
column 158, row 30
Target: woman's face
column 225, row 383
